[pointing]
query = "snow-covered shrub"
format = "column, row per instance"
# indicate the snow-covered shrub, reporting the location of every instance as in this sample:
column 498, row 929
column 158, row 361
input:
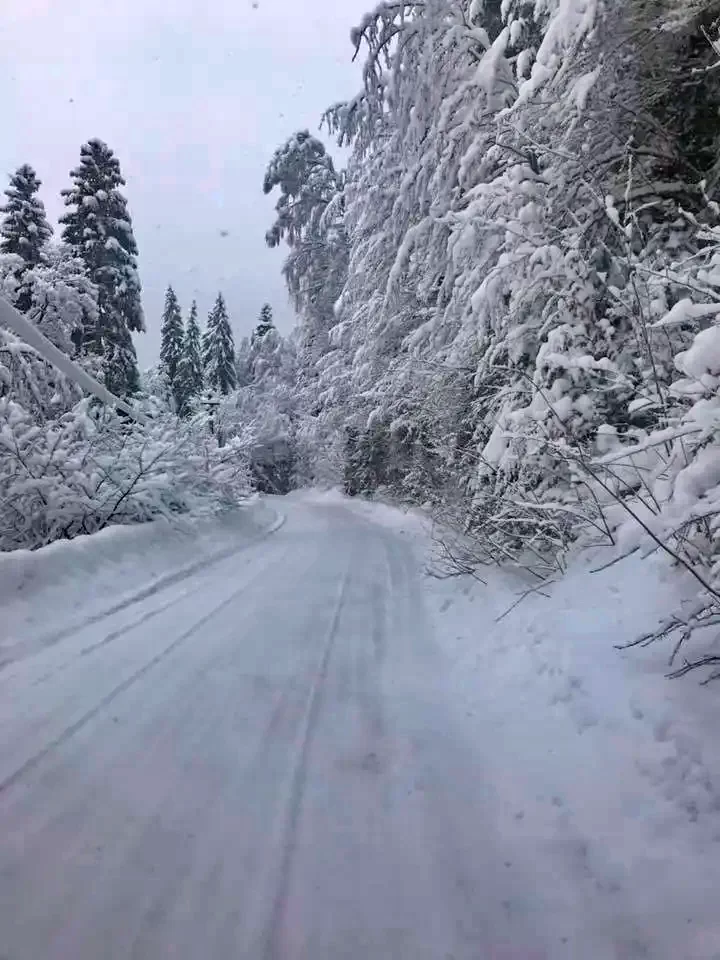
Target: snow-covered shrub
column 60, row 300
column 92, row 467
column 674, row 502
column 32, row 382
column 266, row 431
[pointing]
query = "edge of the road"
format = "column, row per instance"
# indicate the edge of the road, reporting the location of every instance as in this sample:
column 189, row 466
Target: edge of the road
column 165, row 580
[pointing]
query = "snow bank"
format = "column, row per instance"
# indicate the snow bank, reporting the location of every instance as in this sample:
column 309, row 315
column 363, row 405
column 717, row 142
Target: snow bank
column 41, row 591
column 601, row 763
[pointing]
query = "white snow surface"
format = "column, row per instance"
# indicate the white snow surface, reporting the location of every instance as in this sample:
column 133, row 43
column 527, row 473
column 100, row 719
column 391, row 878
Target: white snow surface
column 255, row 740
column 48, row 593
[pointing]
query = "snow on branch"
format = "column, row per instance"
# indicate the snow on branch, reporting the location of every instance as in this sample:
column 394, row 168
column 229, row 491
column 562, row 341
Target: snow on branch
column 14, row 321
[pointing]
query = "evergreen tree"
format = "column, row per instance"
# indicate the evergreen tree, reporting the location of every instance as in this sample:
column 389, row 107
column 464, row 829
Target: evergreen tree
column 98, row 227
column 171, row 344
column 311, row 220
column 265, row 322
column 190, row 367
column 218, row 348
column 25, row 229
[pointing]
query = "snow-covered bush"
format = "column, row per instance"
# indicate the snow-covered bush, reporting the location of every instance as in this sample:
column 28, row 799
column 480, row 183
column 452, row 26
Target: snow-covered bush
column 61, row 300
column 92, row 467
column 32, row 382
column 264, row 407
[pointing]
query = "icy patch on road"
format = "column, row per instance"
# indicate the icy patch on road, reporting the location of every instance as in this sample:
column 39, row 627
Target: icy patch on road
column 46, row 594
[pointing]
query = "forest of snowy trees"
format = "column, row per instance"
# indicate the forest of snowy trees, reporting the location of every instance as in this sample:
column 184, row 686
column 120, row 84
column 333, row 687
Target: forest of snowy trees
column 209, row 423
column 508, row 299
column 68, row 464
column 506, row 303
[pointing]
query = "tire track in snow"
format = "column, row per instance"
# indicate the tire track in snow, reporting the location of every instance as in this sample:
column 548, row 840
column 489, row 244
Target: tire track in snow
column 160, row 584
column 69, row 732
column 148, row 615
column 272, row 939
column 115, row 635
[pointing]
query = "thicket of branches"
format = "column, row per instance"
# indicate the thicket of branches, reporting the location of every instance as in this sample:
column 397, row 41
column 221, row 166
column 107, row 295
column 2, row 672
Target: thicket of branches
column 509, row 298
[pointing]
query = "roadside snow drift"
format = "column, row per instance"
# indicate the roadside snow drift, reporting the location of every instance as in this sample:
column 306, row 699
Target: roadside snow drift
column 607, row 773
column 45, row 594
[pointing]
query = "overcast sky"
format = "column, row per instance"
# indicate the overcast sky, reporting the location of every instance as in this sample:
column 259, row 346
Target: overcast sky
column 193, row 96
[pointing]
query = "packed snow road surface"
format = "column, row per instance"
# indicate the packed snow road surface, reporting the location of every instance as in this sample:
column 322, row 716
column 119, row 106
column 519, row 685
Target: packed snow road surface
column 259, row 761
column 303, row 748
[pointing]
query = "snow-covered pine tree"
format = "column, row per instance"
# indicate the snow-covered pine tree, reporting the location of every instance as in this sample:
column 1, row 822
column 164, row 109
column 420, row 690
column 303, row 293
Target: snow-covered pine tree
column 98, row 227
column 171, row 345
column 265, row 322
column 190, row 366
column 24, row 229
column 218, row 350
column 310, row 220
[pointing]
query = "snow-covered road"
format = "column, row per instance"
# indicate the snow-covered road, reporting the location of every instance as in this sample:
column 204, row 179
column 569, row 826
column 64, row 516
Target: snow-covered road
column 260, row 761
column 307, row 749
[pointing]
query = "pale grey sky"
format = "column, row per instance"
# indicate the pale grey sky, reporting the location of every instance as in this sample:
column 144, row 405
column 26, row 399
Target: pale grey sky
column 193, row 97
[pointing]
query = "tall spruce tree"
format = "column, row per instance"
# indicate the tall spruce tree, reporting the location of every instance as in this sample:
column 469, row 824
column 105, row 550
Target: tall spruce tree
column 190, row 366
column 265, row 322
column 24, row 229
column 171, row 345
column 218, row 349
column 98, row 227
